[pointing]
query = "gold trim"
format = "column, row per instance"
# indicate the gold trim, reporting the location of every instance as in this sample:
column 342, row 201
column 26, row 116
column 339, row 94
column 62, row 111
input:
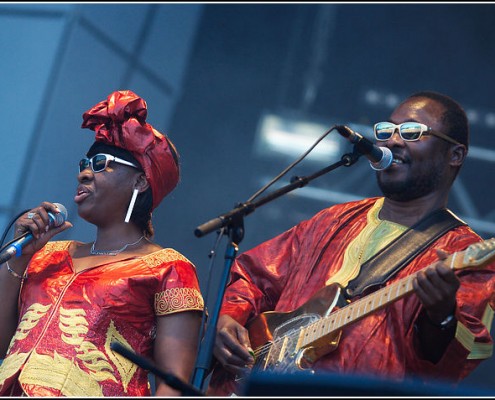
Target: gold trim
column 467, row 339
column 178, row 299
column 58, row 245
column 163, row 256
column 373, row 237
column 487, row 318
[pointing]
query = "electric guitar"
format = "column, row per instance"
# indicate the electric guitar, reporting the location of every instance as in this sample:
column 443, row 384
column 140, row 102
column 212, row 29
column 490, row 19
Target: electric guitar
column 292, row 341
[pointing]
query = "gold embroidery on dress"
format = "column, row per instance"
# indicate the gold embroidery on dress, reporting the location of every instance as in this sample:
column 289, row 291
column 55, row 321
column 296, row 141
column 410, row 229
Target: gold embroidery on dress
column 58, row 245
column 29, row 320
column 178, row 299
column 60, row 374
column 96, row 362
column 162, row 256
column 125, row 367
column 13, row 362
column 63, row 374
column 11, row 365
column 74, row 326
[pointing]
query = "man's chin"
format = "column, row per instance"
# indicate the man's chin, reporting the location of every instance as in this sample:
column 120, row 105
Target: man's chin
column 399, row 192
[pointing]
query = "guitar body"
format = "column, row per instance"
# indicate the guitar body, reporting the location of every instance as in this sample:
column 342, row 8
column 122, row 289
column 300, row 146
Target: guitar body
column 292, row 341
column 275, row 336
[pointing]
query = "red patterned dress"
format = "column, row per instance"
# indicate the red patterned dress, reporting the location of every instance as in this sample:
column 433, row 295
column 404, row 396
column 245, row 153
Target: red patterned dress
column 68, row 321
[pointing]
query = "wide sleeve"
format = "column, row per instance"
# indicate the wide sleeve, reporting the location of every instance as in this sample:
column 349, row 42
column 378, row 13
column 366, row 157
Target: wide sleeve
column 177, row 287
column 474, row 313
column 258, row 276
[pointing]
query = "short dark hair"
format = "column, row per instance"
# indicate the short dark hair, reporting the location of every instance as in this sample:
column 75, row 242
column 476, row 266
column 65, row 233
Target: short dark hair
column 454, row 118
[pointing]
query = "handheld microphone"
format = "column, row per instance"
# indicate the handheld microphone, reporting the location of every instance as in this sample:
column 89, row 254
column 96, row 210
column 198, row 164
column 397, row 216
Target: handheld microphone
column 16, row 247
column 380, row 157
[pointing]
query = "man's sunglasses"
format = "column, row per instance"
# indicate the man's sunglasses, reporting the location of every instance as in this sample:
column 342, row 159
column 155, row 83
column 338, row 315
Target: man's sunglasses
column 99, row 162
column 408, row 131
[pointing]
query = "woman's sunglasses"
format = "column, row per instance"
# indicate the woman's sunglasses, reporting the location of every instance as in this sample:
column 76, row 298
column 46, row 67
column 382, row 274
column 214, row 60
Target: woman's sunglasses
column 99, row 162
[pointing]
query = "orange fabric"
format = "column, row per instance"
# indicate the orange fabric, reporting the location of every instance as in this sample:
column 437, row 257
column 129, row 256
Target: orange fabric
column 285, row 272
column 68, row 320
column 120, row 121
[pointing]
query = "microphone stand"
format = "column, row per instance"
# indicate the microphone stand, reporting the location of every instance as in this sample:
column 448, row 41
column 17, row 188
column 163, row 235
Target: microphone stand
column 234, row 223
column 148, row 365
column 235, row 232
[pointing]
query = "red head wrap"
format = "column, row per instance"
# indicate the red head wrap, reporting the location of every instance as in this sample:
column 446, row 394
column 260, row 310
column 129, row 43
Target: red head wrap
column 121, row 121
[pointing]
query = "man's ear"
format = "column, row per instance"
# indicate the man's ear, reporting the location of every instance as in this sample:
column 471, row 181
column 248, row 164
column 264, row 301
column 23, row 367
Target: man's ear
column 457, row 154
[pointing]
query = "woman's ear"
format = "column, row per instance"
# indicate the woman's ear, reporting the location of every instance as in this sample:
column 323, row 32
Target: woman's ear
column 142, row 183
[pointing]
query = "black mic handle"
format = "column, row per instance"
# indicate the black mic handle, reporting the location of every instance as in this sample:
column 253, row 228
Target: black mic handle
column 7, row 255
column 210, row 226
column 223, row 220
column 169, row 379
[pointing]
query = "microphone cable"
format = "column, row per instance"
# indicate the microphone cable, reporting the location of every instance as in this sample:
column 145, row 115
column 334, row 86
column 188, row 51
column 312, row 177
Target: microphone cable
column 287, row 169
column 6, row 231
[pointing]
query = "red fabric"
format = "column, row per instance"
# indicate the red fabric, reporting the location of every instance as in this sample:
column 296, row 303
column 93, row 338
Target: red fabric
column 120, row 121
column 68, row 320
column 285, row 272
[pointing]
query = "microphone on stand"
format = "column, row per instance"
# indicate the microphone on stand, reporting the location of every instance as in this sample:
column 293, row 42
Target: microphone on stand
column 16, row 247
column 380, row 157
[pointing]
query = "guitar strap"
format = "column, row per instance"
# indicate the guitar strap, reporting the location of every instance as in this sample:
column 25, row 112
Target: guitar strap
column 387, row 262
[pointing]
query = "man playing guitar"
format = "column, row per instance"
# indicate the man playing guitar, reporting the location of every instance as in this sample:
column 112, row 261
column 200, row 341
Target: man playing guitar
column 289, row 305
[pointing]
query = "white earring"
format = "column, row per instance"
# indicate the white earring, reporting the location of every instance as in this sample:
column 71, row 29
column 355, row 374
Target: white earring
column 131, row 205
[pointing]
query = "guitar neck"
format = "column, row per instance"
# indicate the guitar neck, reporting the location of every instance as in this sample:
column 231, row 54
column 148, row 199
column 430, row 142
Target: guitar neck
column 365, row 306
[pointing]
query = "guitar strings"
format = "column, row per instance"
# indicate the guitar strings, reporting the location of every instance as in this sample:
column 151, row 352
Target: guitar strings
column 334, row 322
column 265, row 349
column 402, row 288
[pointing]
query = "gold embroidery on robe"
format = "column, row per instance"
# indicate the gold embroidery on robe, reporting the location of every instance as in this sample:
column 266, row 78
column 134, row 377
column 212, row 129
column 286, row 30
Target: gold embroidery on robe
column 125, row 367
column 178, row 299
column 467, row 339
column 375, row 236
column 487, row 318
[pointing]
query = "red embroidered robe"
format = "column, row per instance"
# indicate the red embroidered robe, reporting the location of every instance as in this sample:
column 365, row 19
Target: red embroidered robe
column 283, row 273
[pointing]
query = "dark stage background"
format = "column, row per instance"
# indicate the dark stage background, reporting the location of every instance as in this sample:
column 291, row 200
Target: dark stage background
column 211, row 73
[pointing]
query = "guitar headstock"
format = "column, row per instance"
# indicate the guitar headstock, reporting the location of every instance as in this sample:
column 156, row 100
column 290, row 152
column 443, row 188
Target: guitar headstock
column 479, row 253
